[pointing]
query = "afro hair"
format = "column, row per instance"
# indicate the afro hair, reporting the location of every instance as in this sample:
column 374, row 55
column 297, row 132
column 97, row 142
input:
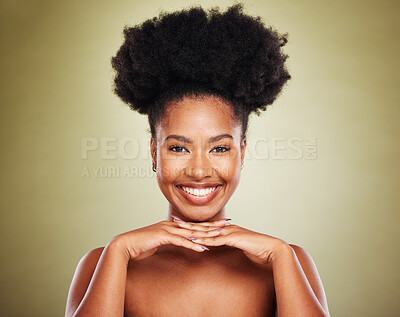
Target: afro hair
column 191, row 52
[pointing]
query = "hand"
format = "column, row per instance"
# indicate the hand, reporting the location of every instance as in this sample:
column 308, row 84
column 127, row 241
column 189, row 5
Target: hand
column 143, row 242
column 259, row 248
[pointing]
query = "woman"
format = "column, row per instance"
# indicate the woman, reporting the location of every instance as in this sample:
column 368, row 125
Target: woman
column 198, row 76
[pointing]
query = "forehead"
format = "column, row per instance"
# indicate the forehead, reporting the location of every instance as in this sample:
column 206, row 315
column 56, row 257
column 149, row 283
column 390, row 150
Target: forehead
column 206, row 116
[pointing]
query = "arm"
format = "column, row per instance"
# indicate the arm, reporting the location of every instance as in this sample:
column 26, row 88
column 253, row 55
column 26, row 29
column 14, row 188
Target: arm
column 98, row 286
column 298, row 287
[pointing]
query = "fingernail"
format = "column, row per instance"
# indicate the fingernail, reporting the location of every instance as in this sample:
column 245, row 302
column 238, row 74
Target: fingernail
column 192, row 238
column 205, row 248
column 219, row 229
column 179, row 221
column 176, row 218
column 227, row 223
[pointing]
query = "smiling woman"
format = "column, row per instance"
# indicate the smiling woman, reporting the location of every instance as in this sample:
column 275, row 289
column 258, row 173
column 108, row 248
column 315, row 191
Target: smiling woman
column 199, row 150
column 198, row 77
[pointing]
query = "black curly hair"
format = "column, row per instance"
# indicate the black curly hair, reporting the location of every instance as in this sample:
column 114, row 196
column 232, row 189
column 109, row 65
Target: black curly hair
column 196, row 53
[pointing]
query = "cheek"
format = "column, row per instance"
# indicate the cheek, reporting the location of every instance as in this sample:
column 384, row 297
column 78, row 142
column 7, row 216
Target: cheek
column 166, row 175
column 227, row 166
column 170, row 168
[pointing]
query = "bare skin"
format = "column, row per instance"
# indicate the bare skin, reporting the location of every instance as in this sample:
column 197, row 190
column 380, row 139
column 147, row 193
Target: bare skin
column 182, row 266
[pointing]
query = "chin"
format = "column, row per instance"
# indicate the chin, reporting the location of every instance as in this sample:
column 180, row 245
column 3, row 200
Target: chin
column 198, row 216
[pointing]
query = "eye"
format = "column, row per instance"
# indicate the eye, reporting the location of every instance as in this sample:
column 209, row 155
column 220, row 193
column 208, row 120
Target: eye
column 221, row 149
column 177, row 149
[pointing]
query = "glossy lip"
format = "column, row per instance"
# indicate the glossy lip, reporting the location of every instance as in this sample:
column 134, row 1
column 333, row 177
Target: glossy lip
column 199, row 200
column 199, row 185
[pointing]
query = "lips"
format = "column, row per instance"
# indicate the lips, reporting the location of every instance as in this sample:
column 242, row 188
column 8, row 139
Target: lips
column 199, row 185
column 195, row 188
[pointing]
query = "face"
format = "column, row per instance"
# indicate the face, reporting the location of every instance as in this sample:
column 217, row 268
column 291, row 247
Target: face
column 198, row 155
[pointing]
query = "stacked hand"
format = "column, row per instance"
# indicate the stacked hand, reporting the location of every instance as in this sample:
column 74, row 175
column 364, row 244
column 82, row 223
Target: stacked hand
column 144, row 242
column 258, row 247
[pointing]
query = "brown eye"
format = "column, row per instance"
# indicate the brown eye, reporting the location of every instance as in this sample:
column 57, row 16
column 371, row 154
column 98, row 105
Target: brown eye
column 221, row 149
column 177, row 149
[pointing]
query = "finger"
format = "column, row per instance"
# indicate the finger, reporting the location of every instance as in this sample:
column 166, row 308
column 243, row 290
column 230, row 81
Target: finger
column 203, row 226
column 215, row 241
column 193, row 233
column 183, row 242
column 213, row 223
column 219, row 222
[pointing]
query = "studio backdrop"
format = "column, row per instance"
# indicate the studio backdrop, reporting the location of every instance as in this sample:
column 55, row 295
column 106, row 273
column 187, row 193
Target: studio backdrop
column 321, row 168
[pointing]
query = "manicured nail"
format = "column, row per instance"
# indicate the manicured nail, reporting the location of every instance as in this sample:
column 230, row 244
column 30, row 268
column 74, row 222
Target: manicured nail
column 176, row 218
column 204, row 247
column 218, row 230
column 179, row 221
column 192, row 238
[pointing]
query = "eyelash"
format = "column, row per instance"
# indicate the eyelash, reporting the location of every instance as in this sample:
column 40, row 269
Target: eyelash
column 226, row 149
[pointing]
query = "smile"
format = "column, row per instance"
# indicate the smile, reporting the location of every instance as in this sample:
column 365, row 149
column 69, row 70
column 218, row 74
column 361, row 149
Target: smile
column 199, row 196
column 199, row 192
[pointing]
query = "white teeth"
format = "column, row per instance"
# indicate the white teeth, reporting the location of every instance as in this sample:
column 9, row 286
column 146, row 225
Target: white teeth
column 197, row 192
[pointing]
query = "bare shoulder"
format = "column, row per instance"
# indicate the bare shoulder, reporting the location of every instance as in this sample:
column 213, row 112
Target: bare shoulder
column 311, row 272
column 88, row 262
column 81, row 280
column 302, row 255
column 91, row 256
column 306, row 261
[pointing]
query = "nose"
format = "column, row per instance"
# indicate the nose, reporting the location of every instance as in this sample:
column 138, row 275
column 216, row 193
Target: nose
column 199, row 166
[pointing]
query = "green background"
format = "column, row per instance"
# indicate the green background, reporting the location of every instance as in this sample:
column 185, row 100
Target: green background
column 342, row 206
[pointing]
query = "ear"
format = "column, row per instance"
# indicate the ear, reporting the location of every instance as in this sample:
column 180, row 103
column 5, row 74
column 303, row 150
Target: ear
column 243, row 149
column 153, row 149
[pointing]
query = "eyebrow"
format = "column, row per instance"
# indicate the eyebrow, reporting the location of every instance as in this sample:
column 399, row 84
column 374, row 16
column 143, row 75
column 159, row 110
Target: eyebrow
column 188, row 140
